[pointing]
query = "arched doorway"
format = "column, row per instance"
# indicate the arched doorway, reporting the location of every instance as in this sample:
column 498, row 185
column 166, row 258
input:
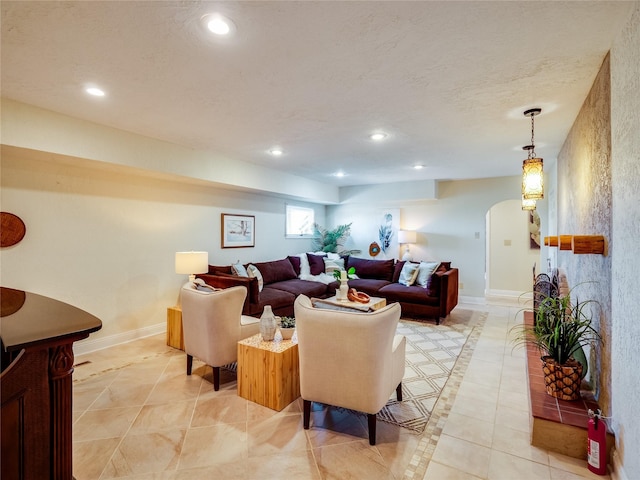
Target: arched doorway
column 512, row 250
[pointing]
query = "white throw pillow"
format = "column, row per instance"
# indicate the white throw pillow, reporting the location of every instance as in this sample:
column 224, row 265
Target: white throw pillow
column 239, row 269
column 408, row 274
column 305, row 269
column 199, row 285
column 425, row 270
column 331, row 265
column 255, row 273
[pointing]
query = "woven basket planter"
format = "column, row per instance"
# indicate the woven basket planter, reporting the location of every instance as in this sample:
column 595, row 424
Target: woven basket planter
column 562, row 381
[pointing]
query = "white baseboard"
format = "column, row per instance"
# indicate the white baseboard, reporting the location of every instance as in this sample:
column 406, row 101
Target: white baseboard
column 618, row 472
column 471, row 300
column 511, row 297
column 89, row 345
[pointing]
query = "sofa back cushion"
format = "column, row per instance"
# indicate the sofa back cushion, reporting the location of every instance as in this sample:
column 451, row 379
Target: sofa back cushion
column 316, row 263
column 295, row 263
column 276, row 271
column 378, row 269
column 220, row 270
column 397, row 269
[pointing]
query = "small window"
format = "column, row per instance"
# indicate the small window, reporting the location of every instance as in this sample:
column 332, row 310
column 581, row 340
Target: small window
column 300, row 221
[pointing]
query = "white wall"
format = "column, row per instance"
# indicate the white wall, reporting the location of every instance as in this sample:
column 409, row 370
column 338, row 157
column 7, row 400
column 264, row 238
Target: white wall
column 105, row 241
column 625, row 261
column 450, row 228
column 510, row 256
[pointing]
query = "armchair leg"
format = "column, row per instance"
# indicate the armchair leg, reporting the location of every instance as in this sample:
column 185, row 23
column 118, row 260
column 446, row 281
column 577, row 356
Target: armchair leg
column 399, row 392
column 189, row 363
column 371, row 417
column 306, row 413
column 216, row 378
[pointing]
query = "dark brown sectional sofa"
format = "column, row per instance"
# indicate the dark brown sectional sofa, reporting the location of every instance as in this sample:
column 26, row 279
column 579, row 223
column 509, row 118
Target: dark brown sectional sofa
column 378, row 278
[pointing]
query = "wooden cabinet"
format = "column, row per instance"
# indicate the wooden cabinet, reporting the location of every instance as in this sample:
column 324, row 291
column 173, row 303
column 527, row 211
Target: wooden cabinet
column 37, row 363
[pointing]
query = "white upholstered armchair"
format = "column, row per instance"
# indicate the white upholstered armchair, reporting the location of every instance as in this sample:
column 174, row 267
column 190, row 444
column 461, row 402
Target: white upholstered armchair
column 349, row 360
column 212, row 324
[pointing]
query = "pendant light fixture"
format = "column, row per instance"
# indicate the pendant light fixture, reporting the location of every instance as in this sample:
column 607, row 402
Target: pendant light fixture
column 532, row 174
column 528, row 204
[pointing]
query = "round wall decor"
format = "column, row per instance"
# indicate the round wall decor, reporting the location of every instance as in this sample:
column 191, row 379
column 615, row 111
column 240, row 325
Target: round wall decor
column 12, row 229
column 374, row 249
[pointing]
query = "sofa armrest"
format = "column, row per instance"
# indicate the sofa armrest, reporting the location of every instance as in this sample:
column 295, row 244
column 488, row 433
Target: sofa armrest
column 222, row 280
column 448, row 291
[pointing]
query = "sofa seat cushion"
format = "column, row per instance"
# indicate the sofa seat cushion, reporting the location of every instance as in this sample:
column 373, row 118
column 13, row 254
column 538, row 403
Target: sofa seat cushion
column 297, row 286
column 374, row 269
column 276, row 271
column 395, row 292
column 276, row 298
column 368, row 285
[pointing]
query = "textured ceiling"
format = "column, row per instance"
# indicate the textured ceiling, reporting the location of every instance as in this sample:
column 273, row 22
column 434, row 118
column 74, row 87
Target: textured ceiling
column 448, row 81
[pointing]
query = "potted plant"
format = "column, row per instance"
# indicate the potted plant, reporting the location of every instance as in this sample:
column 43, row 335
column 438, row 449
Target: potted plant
column 350, row 273
column 287, row 327
column 561, row 329
column 329, row 241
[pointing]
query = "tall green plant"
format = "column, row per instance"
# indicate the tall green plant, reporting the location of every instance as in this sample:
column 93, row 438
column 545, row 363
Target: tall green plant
column 561, row 329
column 329, row 240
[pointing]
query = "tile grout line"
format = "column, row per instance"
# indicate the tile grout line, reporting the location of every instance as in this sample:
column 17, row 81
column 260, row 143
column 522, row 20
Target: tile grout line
column 426, row 446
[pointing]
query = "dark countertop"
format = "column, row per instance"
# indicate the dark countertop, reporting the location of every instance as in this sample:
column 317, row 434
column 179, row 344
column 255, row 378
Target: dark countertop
column 28, row 319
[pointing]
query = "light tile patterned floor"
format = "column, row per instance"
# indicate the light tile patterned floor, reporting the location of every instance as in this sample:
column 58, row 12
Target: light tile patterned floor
column 138, row 416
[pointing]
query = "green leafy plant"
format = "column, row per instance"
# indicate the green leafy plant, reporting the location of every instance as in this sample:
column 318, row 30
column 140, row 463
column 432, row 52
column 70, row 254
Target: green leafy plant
column 350, row 273
column 329, row 240
column 287, row 322
column 561, row 329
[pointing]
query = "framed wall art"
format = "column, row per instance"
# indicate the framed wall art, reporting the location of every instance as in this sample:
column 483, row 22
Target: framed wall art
column 238, row 231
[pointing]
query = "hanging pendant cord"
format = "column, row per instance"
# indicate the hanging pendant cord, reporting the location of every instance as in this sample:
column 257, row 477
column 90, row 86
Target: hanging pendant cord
column 532, row 152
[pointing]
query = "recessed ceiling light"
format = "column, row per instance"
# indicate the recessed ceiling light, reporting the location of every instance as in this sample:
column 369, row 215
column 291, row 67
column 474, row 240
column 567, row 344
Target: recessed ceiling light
column 218, row 24
column 95, row 91
column 339, row 174
column 418, row 167
column 276, row 152
column 378, row 136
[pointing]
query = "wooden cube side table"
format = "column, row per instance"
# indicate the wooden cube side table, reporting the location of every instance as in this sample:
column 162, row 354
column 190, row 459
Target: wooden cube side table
column 268, row 372
column 175, row 338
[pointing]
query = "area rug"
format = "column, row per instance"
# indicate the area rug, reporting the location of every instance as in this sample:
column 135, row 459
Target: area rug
column 432, row 353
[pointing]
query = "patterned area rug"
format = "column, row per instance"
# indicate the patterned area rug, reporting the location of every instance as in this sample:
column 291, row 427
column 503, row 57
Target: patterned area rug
column 432, row 353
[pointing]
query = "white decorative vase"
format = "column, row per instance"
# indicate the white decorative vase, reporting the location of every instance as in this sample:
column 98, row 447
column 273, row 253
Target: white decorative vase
column 268, row 324
column 342, row 291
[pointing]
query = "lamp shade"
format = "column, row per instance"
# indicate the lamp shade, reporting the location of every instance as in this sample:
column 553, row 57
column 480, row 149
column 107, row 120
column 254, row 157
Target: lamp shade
column 188, row 263
column 532, row 179
column 407, row 236
column 528, row 204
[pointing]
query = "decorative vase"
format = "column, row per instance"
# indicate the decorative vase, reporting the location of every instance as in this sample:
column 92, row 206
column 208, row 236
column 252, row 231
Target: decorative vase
column 268, row 324
column 341, row 294
column 562, row 381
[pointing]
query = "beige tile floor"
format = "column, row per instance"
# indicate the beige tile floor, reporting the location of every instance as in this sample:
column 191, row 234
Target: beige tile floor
column 138, row 416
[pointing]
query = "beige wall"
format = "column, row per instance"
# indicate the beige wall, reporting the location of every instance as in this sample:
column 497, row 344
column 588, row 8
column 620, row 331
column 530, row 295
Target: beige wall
column 625, row 260
column 597, row 193
column 584, row 208
column 105, row 240
column 510, row 256
column 450, row 228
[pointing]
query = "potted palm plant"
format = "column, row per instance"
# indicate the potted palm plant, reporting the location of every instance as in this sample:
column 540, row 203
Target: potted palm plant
column 561, row 329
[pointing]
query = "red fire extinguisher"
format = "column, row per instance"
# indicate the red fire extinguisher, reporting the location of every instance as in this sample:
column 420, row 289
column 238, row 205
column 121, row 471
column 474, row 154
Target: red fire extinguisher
column 597, row 443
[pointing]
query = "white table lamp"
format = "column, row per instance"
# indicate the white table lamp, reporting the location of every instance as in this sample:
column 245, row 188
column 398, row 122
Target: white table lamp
column 406, row 237
column 190, row 263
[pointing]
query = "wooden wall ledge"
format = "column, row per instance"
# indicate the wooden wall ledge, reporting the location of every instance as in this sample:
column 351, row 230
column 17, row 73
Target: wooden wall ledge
column 579, row 244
